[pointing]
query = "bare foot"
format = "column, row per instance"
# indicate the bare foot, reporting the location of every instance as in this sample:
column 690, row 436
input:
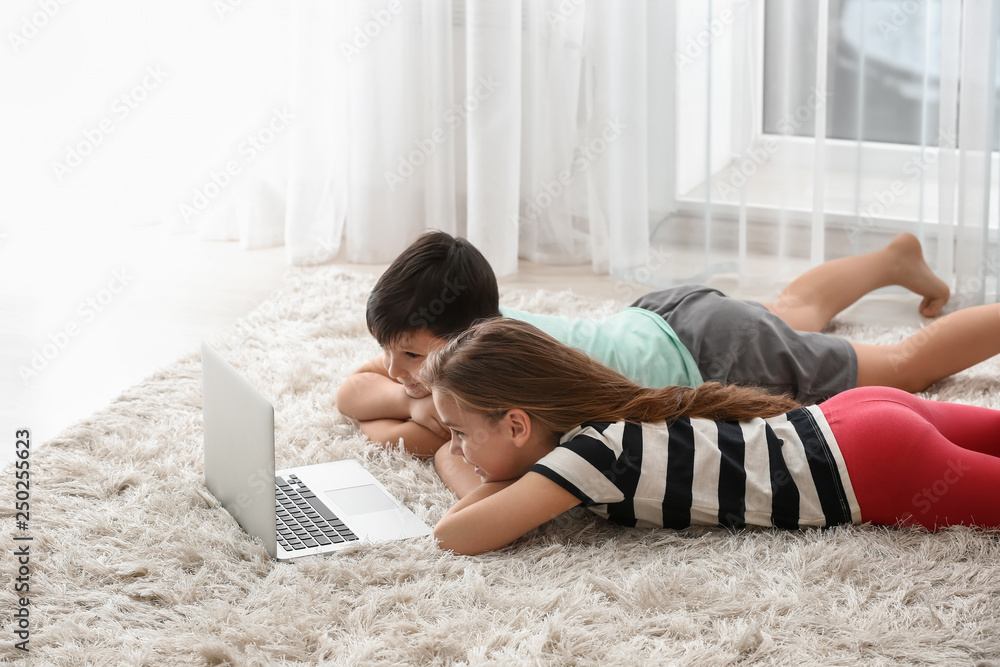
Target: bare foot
column 914, row 274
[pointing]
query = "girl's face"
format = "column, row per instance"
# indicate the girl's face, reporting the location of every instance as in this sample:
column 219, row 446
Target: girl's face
column 491, row 446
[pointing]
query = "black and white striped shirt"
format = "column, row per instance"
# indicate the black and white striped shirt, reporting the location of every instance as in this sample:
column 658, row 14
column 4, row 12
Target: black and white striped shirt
column 784, row 471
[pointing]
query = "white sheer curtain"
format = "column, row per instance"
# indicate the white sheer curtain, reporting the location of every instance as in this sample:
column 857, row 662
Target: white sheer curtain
column 525, row 126
column 827, row 126
column 659, row 141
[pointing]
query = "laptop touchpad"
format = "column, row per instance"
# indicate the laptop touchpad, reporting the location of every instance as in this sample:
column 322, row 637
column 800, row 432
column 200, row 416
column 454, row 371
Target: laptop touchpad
column 361, row 499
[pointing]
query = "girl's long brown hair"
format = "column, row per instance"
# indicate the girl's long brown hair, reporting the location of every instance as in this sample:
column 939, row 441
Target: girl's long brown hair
column 501, row 364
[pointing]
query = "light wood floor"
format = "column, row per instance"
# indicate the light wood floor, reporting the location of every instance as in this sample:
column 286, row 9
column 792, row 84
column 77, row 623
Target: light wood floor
column 84, row 315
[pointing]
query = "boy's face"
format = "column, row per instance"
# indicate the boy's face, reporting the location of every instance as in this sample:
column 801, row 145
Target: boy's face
column 406, row 356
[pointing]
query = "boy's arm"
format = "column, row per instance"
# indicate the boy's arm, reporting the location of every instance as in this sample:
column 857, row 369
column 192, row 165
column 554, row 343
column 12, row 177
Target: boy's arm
column 417, row 440
column 497, row 513
column 369, row 393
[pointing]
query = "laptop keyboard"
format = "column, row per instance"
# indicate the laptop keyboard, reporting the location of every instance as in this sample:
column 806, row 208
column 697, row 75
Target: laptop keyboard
column 303, row 521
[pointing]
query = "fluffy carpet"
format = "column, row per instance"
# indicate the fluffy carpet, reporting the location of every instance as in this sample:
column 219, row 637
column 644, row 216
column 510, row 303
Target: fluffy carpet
column 134, row 563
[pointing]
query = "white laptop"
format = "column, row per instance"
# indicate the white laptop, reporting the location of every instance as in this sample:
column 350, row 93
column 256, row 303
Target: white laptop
column 296, row 512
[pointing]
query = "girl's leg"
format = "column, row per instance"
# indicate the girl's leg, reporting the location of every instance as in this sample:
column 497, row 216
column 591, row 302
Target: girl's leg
column 967, row 426
column 944, row 347
column 917, row 462
column 815, row 297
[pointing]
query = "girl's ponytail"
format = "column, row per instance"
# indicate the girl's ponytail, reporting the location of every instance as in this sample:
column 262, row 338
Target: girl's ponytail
column 501, row 364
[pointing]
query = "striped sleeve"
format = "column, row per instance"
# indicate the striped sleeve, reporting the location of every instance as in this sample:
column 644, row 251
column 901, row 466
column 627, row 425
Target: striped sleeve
column 588, row 463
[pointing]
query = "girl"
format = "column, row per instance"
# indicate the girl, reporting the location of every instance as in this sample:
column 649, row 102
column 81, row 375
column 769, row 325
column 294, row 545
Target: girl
column 548, row 429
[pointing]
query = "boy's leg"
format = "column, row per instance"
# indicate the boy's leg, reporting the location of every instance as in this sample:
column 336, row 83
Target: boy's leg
column 815, row 297
column 944, row 347
column 456, row 474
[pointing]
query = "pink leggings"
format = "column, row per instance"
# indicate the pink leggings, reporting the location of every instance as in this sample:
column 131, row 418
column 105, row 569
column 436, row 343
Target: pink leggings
column 917, row 462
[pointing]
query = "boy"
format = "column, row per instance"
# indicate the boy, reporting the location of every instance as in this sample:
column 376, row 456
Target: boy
column 683, row 335
column 436, row 288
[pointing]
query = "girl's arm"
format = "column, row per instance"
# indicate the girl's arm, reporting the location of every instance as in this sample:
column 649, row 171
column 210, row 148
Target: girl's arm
column 497, row 513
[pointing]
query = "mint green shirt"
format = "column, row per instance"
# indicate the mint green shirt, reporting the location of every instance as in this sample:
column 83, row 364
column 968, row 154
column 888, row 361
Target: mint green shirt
column 637, row 343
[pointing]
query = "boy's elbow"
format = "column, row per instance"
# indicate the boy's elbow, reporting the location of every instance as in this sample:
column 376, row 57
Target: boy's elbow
column 345, row 398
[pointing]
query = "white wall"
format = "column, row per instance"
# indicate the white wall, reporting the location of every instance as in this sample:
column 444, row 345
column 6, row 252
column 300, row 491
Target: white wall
column 77, row 74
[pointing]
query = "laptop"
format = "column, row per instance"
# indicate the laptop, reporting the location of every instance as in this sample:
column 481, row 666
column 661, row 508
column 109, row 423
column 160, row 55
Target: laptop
column 296, row 512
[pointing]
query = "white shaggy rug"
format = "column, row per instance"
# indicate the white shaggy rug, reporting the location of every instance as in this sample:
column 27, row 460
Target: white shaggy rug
column 133, row 563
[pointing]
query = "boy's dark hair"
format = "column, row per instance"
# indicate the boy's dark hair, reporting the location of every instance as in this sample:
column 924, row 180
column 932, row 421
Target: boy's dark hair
column 440, row 283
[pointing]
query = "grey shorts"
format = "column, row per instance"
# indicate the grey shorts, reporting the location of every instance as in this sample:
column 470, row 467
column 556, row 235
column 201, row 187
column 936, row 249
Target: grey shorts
column 742, row 342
